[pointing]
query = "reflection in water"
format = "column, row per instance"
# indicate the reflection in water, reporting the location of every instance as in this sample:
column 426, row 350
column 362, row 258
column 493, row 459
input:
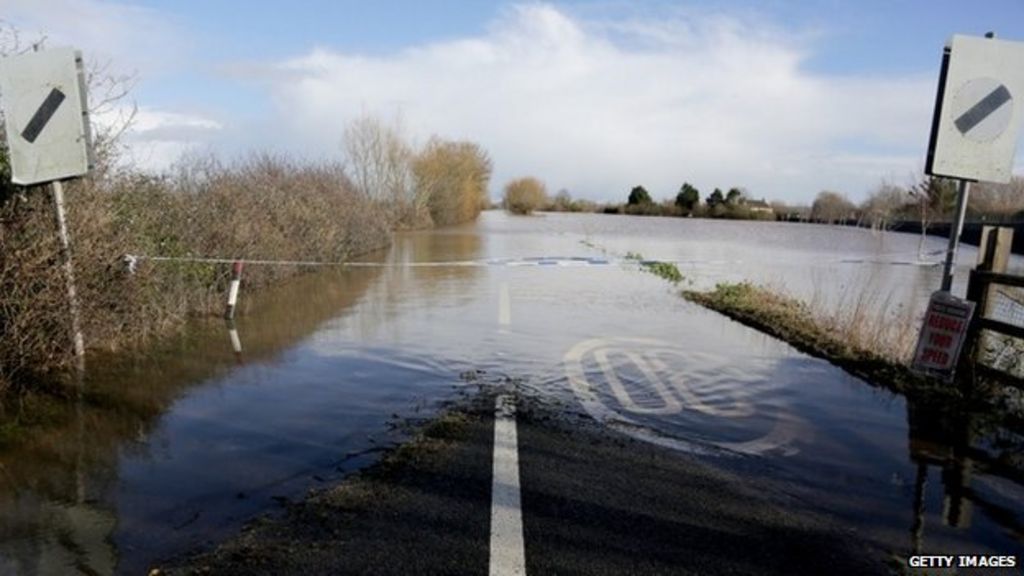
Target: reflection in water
column 58, row 505
column 235, row 339
column 401, row 290
column 958, row 442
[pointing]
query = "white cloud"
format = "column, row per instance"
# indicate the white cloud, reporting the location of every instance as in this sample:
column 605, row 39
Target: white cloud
column 598, row 108
column 134, row 38
column 155, row 139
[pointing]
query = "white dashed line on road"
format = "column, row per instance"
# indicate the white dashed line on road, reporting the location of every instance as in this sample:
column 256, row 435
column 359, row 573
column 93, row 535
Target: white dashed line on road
column 504, row 306
column 508, row 555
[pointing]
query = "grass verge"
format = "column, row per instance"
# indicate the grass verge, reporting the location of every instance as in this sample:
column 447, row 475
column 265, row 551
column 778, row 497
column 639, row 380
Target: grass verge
column 794, row 322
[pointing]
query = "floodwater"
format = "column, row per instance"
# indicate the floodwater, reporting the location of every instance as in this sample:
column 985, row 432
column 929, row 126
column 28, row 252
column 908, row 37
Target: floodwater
column 172, row 450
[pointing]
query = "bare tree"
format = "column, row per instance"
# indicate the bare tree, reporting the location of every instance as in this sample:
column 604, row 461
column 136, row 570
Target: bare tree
column 380, row 161
column 111, row 115
column 934, row 198
column 998, row 200
column 883, row 204
column 832, row 207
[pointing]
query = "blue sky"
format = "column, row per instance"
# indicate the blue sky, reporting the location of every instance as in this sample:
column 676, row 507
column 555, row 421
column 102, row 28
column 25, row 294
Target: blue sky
column 783, row 98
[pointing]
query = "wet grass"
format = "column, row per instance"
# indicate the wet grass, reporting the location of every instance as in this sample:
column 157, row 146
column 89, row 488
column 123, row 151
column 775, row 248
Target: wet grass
column 665, row 270
column 795, row 322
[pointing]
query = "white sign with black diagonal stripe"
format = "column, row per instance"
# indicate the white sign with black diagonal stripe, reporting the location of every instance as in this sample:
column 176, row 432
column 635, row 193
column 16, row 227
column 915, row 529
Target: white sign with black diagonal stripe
column 978, row 110
column 45, row 115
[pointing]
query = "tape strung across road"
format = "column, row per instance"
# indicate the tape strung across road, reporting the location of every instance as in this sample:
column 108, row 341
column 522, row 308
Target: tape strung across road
column 508, row 553
column 558, row 261
column 539, row 261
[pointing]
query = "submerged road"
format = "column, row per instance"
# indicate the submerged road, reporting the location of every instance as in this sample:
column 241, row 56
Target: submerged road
column 641, row 434
column 586, row 501
column 513, row 482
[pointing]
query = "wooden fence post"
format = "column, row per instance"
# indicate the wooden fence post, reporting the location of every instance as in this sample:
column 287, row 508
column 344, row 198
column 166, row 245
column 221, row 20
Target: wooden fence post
column 993, row 256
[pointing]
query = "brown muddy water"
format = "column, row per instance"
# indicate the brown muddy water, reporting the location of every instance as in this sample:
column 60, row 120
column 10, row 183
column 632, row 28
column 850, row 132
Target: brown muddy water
column 169, row 451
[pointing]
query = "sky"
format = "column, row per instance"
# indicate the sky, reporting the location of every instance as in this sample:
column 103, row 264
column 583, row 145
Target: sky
column 784, row 99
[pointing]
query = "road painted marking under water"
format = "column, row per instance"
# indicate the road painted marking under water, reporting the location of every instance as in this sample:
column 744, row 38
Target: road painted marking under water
column 646, row 356
column 508, row 554
column 504, row 306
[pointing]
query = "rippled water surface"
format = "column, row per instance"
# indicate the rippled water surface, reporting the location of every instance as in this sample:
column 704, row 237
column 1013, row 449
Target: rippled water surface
column 203, row 436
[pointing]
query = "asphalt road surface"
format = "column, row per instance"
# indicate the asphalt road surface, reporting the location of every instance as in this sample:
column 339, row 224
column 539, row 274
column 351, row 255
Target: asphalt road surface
column 541, row 493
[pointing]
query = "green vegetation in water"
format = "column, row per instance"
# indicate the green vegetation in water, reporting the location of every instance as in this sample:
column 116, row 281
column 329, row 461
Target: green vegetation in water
column 794, row 322
column 665, row 270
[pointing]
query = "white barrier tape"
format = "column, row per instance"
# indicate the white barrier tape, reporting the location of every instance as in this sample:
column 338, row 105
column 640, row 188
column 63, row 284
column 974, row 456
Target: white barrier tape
column 511, row 262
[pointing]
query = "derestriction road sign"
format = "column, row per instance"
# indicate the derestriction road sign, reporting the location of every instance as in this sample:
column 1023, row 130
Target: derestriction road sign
column 979, row 107
column 978, row 110
column 43, row 98
column 983, row 108
column 43, row 115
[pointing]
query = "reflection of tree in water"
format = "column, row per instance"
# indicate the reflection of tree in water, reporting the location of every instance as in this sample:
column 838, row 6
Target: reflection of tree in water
column 962, row 442
column 422, row 287
column 56, row 486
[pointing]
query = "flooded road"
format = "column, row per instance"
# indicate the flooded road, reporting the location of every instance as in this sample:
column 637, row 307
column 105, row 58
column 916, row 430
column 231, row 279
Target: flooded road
column 177, row 449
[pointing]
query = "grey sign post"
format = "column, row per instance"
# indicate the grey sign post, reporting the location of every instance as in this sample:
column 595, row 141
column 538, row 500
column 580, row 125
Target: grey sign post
column 48, row 137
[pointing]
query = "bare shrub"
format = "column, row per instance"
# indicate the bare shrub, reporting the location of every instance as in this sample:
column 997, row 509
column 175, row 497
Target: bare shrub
column 524, row 195
column 832, row 207
column 267, row 208
column 451, row 180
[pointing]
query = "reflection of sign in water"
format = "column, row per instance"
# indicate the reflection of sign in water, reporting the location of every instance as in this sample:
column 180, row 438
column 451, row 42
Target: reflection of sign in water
column 942, row 335
column 662, row 390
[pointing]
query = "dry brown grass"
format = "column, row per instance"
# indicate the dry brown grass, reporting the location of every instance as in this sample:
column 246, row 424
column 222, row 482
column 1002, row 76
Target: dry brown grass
column 851, row 339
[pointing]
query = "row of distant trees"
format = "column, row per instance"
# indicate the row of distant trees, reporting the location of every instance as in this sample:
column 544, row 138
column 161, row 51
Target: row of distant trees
column 924, row 200
column 736, row 203
column 528, row 194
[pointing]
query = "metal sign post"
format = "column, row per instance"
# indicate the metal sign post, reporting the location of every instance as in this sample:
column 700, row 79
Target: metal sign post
column 955, row 230
column 69, row 271
column 49, row 140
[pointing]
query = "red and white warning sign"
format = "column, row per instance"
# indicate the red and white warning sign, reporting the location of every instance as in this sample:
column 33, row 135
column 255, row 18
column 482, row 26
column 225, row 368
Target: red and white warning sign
column 942, row 335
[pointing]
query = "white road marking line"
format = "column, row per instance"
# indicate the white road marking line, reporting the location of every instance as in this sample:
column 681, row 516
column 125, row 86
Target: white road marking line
column 508, row 554
column 504, row 306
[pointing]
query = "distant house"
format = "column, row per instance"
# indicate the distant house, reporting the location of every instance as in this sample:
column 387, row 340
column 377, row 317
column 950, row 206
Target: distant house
column 760, row 206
